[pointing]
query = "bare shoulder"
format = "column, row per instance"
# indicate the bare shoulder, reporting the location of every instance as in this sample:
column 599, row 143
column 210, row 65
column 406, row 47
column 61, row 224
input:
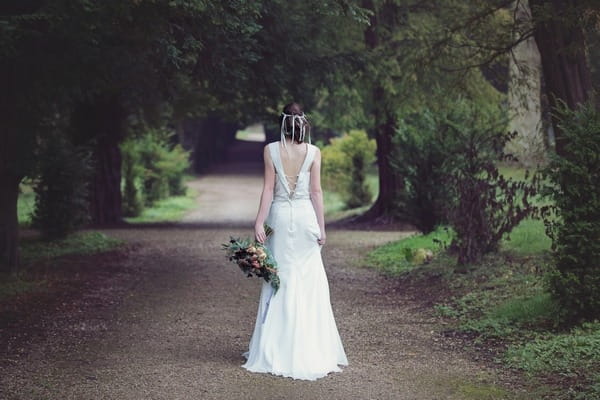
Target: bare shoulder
column 266, row 152
column 267, row 147
column 316, row 150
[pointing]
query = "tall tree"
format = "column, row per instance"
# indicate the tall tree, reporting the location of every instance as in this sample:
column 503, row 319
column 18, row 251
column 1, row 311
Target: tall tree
column 383, row 22
column 559, row 33
column 32, row 89
column 416, row 49
column 96, row 63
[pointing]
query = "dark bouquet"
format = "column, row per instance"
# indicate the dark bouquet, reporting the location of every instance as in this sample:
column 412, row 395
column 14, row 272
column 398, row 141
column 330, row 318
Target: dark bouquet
column 253, row 258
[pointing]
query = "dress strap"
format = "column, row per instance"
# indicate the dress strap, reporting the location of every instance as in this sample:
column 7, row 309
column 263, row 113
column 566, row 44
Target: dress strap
column 276, row 159
column 273, row 155
column 312, row 150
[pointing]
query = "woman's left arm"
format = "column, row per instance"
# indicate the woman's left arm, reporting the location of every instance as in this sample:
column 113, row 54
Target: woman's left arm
column 316, row 194
column 266, row 197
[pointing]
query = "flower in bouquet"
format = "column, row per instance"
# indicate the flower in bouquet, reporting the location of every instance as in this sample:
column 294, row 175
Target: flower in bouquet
column 253, row 258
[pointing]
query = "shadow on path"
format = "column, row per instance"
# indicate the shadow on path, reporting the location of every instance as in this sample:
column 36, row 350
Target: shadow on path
column 171, row 317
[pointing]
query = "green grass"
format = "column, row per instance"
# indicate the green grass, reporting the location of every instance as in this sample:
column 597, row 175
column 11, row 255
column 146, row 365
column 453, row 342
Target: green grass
column 574, row 355
column 14, row 285
column 513, row 315
column 394, row 258
column 372, row 179
column 83, row 242
column 479, row 387
column 575, row 351
column 252, row 133
column 332, row 202
column 25, row 204
column 35, row 249
column 504, row 303
column 481, row 391
column 513, row 172
column 334, row 205
column 528, row 238
column 169, row 209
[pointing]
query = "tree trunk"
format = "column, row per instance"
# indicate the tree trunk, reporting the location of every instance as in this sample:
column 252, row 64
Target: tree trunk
column 105, row 204
column 389, row 183
column 12, row 170
column 9, row 224
column 102, row 121
column 525, row 95
column 561, row 42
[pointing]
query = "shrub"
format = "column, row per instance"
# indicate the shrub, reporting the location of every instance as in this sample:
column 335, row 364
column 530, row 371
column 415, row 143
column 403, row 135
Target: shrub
column 151, row 148
column 484, row 205
column 61, row 187
column 418, row 156
column 174, row 163
column 152, row 170
column 132, row 172
column 345, row 163
column 575, row 351
column 573, row 222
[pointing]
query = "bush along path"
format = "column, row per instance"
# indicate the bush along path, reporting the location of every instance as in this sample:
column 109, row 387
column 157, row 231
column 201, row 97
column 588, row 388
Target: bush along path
column 167, row 317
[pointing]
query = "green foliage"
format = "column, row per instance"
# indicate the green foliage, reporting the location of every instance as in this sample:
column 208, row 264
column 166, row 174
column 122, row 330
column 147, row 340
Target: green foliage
column 84, row 242
column 152, row 170
column 527, row 238
column 448, row 160
column 61, row 188
column 253, row 258
column 132, row 176
column 25, row 204
column 574, row 221
column 418, row 156
column 502, row 300
column 577, row 351
column 513, row 314
column 484, row 205
column 499, row 300
column 397, row 257
column 170, row 209
column 345, row 163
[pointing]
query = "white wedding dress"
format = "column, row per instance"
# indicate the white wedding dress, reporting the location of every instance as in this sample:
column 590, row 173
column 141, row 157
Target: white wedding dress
column 295, row 333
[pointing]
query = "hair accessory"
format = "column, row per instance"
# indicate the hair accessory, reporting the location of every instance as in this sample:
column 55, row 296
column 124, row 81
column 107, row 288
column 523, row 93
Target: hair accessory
column 302, row 123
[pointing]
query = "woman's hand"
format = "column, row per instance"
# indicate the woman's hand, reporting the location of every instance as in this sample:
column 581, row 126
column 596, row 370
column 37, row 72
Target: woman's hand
column 259, row 233
column 322, row 239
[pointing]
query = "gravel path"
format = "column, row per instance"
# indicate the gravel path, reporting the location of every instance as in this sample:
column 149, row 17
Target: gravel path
column 173, row 317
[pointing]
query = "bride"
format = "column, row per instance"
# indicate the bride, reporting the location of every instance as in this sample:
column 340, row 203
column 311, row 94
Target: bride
column 295, row 334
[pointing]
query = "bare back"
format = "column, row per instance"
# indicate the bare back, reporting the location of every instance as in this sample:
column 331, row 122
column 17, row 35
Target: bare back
column 293, row 156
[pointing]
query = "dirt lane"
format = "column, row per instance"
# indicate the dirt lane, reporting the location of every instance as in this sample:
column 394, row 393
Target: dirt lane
column 181, row 316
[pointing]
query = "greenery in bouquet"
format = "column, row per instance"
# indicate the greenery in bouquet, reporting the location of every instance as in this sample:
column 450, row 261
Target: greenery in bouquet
column 253, row 258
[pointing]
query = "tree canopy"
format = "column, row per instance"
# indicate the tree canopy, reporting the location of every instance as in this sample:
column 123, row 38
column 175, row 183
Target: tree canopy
column 99, row 70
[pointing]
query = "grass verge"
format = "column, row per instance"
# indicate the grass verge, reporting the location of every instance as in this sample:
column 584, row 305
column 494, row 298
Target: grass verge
column 398, row 257
column 335, row 207
column 33, row 250
column 25, row 204
column 502, row 307
column 83, row 242
column 169, row 209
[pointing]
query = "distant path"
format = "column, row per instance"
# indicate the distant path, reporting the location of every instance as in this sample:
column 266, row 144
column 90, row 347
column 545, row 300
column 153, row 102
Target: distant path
column 230, row 193
column 173, row 317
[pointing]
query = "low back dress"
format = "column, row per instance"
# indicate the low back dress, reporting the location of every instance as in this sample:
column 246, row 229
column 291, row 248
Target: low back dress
column 295, row 334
